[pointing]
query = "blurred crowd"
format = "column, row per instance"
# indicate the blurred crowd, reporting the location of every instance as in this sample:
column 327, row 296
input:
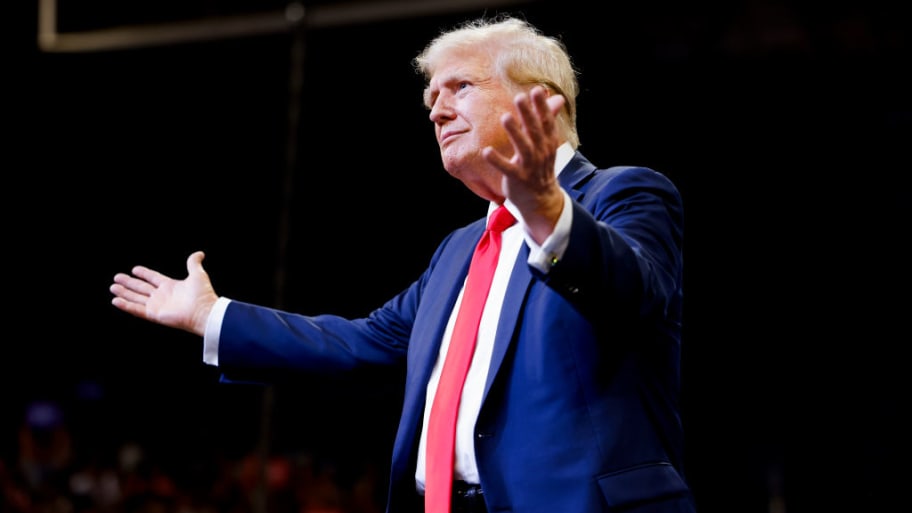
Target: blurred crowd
column 57, row 460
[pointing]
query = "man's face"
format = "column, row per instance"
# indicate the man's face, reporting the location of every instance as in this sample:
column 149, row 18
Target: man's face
column 466, row 100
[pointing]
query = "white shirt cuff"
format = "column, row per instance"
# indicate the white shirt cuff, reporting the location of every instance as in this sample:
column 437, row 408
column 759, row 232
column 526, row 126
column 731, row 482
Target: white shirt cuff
column 213, row 330
column 544, row 257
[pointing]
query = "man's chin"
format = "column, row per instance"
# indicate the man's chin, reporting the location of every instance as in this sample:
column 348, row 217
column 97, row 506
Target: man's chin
column 452, row 162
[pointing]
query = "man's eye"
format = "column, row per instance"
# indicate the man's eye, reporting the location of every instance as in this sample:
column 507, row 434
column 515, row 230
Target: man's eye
column 462, row 85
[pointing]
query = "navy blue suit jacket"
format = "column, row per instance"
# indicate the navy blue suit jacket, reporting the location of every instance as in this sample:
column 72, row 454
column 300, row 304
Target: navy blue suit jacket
column 580, row 409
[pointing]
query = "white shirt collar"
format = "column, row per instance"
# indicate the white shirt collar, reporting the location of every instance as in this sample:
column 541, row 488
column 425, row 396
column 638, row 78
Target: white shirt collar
column 564, row 154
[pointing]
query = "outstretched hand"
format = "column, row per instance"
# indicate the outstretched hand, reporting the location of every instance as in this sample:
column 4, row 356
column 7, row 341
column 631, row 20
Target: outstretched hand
column 529, row 181
column 183, row 304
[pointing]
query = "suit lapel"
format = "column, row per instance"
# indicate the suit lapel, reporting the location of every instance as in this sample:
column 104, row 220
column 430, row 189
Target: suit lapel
column 575, row 175
column 440, row 295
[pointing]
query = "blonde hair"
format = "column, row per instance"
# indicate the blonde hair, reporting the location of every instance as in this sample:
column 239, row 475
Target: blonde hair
column 522, row 56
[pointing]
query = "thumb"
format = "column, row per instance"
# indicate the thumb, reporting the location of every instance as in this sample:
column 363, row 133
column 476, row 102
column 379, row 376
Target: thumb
column 195, row 262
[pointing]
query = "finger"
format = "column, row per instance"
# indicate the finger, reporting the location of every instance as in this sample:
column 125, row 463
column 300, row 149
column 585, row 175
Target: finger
column 497, row 160
column 525, row 123
column 539, row 99
column 543, row 112
column 128, row 295
column 555, row 103
column 538, row 122
column 130, row 283
column 529, row 115
column 127, row 306
column 515, row 130
column 154, row 277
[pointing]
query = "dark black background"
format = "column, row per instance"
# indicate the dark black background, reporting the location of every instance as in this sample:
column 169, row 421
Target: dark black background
column 785, row 124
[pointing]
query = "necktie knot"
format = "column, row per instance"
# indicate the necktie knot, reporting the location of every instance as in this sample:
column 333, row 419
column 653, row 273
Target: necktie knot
column 501, row 219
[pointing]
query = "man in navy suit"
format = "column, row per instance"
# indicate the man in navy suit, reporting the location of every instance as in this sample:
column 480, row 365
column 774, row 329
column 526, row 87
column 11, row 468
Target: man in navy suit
column 572, row 399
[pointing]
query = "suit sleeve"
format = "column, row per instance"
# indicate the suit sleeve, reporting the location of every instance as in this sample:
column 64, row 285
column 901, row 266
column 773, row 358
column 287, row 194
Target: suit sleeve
column 625, row 241
column 262, row 344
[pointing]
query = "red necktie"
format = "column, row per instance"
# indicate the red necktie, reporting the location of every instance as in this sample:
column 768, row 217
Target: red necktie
column 441, row 434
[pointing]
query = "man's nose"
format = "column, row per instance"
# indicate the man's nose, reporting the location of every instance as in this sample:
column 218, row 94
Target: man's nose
column 441, row 109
